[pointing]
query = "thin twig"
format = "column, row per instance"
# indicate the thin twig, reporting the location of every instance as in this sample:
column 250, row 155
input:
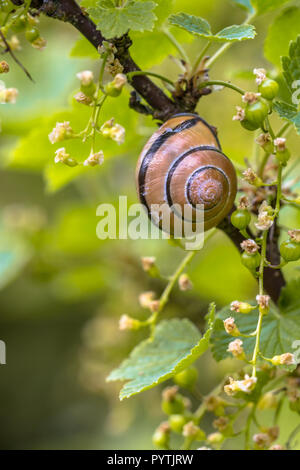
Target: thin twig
column 9, row 50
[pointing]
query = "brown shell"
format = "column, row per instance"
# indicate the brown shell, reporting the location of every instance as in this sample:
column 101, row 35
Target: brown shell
column 182, row 164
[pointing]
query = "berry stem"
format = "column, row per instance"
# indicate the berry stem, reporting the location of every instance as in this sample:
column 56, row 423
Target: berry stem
column 261, row 291
column 176, row 44
column 224, row 84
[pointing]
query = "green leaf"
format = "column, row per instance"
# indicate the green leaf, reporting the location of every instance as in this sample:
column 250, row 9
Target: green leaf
column 279, row 330
column 289, row 113
column 83, row 49
column 191, row 23
column 263, row 6
column 291, row 63
column 200, row 27
column 289, row 296
column 284, row 29
column 245, row 4
column 115, row 21
column 176, row 344
column 236, row 33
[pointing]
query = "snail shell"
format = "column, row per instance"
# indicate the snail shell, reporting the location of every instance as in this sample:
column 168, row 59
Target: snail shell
column 182, row 164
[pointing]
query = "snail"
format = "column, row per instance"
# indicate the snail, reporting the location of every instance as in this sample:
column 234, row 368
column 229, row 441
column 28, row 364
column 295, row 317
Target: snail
column 182, row 165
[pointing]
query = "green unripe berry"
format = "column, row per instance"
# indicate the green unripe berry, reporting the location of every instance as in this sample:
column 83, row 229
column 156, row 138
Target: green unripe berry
column 174, row 406
column 161, row 438
column 283, row 156
column 251, row 261
column 88, row 90
column 256, row 112
column 290, row 250
column 32, row 34
column 111, row 90
column 187, row 378
column 268, row 89
column 177, row 422
column 241, row 218
column 19, row 24
column 248, row 125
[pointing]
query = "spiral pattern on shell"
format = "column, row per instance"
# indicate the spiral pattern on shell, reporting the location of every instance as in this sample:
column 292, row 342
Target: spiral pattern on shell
column 182, row 164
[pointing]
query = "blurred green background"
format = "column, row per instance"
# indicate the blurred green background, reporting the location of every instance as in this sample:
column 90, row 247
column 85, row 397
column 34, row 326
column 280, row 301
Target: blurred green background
column 62, row 289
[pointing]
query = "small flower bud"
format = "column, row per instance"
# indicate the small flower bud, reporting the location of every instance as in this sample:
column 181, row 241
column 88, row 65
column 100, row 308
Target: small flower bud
column 4, row 67
column 128, row 323
column 119, row 81
column 251, row 97
column 161, row 436
column 236, row 349
column 250, row 246
column 39, row 43
column 230, row 327
column 261, row 440
column 294, row 235
column 146, row 298
column 251, row 177
column 149, row 266
column 86, row 77
column 113, row 131
column 94, row 159
column 114, row 88
column 14, row 43
column 61, row 131
column 265, row 141
column 273, row 432
column 215, row 404
column 32, row 20
column 184, row 282
column 191, row 430
column 215, row 438
column 154, row 305
column 169, row 393
column 62, row 157
column 82, row 98
column 276, row 447
column 243, row 203
column 280, row 144
column 265, row 218
column 263, row 303
column 241, row 307
column 8, row 95
column 260, row 75
column 221, row 423
column 240, row 114
column 246, row 385
column 282, row 153
column 284, row 359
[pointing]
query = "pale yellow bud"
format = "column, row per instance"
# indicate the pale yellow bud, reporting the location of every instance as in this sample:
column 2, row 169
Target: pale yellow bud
column 61, row 131
column 236, row 349
column 94, row 159
column 184, row 282
column 284, row 359
column 230, row 327
column 146, row 298
column 128, row 323
column 86, row 77
column 4, row 67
